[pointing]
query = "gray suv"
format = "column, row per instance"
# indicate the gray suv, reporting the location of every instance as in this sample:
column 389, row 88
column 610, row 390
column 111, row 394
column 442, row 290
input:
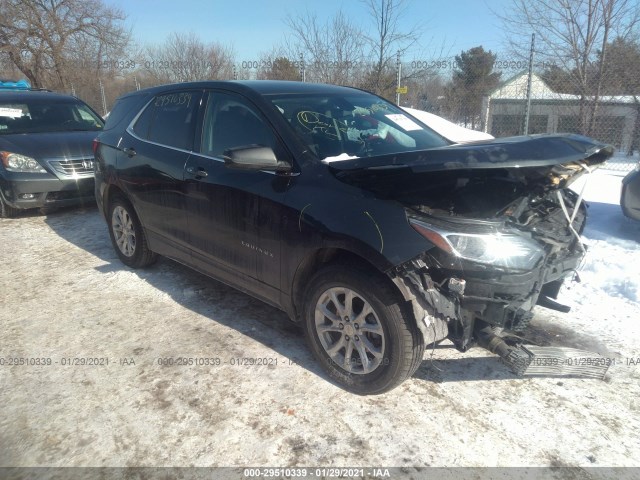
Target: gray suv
column 46, row 159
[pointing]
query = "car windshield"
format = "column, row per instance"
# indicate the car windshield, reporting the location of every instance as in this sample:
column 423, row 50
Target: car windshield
column 337, row 127
column 50, row 115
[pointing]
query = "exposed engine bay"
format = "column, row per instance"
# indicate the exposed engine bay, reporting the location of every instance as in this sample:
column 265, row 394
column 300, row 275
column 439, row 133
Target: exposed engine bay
column 504, row 241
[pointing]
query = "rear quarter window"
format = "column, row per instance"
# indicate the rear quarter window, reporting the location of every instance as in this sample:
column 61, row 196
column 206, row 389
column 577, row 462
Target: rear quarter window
column 124, row 108
column 169, row 119
column 174, row 119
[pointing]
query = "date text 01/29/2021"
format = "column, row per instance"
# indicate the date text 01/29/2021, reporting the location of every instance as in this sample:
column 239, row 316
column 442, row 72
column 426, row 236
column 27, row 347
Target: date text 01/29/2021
column 217, row 361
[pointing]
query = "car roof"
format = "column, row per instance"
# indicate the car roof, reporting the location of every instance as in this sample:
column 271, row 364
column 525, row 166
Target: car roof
column 266, row 87
column 22, row 95
column 261, row 87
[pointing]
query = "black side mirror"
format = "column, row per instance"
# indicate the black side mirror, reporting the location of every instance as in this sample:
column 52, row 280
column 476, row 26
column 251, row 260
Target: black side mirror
column 254, row 157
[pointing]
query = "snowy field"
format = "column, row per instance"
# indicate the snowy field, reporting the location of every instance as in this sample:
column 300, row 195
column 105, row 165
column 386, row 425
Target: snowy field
column 65, row 296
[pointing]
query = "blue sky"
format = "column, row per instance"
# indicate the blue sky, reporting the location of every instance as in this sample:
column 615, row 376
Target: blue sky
column 254, row 26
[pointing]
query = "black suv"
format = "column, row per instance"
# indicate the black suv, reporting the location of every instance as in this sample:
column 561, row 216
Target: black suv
column 353, row 217
column 45, row 150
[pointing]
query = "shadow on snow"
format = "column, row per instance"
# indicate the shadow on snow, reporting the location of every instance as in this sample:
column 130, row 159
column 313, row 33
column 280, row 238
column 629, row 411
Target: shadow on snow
column 86, row 229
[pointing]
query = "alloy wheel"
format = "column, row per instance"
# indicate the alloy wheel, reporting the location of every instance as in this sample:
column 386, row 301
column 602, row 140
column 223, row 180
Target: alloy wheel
column 123, row 231
column 349, row 330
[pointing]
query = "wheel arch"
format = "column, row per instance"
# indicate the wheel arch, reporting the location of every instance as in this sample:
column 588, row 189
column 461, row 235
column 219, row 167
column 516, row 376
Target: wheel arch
column 112, row 191
column 322, row 258
column 416, row 306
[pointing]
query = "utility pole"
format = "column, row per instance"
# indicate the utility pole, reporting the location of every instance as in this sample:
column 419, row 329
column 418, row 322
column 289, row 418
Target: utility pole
column 303, row 74
column 527, row 110
column 399, row 70
column 104, row 99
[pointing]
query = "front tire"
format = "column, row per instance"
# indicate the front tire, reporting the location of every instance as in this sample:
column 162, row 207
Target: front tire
column 127, row 235
column 358, row 328
column 6, row 211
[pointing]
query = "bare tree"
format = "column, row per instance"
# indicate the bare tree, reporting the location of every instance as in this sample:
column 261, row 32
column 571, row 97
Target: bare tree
column 622, row 73
column 184, row 57
column 47, row 40
column 339, row 52
column 574, row 34
column 333, row 52
column 387, row 41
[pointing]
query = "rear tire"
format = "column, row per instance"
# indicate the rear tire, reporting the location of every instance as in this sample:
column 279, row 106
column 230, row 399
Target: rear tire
column 127, row 235
column 360, row 331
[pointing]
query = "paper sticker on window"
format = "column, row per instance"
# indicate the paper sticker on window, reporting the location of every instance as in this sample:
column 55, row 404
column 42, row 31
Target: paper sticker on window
column 10, row 112
column 404, row 122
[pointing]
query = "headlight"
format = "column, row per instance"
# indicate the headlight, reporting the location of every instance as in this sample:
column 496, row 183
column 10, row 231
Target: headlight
column 503, row 250
column 14, row 162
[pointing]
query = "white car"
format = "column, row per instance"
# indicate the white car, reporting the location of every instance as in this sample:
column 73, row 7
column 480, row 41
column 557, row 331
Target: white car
column 447, row 129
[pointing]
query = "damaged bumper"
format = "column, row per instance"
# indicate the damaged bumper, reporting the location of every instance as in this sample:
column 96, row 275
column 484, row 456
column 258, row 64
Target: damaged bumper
column 505, row 300
column 475, row 311
column 459, row 303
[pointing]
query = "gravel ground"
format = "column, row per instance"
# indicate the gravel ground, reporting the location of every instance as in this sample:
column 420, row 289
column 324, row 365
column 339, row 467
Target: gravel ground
column 64, row 296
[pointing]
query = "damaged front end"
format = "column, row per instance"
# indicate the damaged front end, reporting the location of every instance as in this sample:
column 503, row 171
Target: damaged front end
column 504, row 239
column 498, row 270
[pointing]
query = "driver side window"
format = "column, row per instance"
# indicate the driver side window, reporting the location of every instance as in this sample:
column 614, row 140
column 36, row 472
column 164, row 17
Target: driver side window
column 231, row 122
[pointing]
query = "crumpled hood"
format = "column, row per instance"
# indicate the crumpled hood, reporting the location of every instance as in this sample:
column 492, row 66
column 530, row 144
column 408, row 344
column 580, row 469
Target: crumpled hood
column 512, row 152
column 50, row 145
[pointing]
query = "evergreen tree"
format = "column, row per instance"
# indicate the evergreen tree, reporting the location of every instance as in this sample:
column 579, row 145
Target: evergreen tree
column 282, row 69
column 473, row 78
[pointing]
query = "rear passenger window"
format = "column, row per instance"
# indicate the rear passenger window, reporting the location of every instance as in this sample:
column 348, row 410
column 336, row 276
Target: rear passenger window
column 170, row 119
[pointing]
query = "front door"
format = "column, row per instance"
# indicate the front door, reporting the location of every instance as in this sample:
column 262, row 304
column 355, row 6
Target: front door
column 231, row 222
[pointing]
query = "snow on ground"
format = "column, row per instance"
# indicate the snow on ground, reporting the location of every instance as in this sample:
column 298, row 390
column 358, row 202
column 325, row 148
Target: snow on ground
column 64, row 295
column 610, row 275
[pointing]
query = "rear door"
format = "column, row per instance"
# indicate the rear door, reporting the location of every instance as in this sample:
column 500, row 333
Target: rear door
column 154, row 152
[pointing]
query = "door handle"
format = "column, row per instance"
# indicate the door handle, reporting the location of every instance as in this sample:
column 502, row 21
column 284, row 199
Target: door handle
column 197, row 173
column 131, row 152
